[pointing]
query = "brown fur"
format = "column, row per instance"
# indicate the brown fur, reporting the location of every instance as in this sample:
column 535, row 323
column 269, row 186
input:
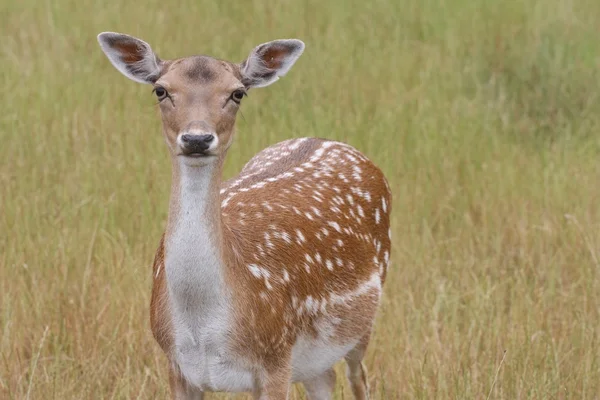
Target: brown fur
column 277, row 312
column 159, row 307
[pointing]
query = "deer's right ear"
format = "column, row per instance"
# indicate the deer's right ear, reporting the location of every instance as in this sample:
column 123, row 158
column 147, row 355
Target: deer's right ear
column 133, row 57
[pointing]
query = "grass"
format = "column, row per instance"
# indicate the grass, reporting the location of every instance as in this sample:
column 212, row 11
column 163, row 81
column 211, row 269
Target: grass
column 484, row 116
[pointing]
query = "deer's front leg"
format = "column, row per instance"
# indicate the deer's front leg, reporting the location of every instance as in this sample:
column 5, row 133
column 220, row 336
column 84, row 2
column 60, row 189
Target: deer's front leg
column 273, row 383
column 180, row 389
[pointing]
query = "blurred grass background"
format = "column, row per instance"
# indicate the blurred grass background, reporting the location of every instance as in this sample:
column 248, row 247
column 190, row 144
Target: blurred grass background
column 483, row 114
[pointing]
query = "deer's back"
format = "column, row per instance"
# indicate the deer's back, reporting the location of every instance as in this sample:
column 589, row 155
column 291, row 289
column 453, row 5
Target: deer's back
column 311, row 207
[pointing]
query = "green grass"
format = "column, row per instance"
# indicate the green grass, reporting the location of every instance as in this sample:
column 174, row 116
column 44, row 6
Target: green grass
column 483, row 114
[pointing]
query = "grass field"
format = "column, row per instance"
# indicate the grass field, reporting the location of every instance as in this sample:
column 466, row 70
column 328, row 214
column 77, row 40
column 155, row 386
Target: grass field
column 484, row 115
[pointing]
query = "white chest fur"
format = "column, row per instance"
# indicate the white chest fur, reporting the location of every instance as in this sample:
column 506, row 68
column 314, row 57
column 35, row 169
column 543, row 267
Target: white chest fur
column 196, row 291
column 192, row 258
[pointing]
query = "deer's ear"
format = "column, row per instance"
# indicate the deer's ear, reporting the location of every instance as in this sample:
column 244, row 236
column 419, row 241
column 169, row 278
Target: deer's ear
column 133, row 57
column 267, row 62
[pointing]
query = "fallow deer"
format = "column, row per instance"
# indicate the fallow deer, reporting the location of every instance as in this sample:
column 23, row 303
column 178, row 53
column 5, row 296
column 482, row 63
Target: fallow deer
column 274, row 276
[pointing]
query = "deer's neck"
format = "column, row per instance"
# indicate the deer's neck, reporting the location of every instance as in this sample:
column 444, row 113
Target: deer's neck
column 193, row 246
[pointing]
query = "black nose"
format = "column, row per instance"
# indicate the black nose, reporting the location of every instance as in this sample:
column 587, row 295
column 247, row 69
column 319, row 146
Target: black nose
column 197, row 143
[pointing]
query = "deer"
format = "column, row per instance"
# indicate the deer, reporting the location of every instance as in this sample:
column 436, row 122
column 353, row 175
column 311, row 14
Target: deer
column 274, row 276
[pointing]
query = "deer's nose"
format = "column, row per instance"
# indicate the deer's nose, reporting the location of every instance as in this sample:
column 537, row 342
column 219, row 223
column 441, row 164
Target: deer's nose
column 197, row 143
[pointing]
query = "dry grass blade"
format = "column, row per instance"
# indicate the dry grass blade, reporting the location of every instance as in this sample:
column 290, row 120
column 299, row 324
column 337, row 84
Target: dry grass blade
column 35, row 362
column 496, row 376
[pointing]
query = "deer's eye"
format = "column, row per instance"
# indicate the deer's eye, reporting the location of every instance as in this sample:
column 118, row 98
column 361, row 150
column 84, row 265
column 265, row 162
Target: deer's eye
column 161, row 93
column 238, row 95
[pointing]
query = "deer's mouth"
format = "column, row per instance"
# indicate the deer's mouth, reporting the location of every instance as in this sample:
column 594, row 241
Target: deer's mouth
column 195, row 155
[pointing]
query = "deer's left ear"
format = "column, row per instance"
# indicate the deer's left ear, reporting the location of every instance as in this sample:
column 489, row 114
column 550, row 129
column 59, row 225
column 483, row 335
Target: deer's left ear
column 267, row 62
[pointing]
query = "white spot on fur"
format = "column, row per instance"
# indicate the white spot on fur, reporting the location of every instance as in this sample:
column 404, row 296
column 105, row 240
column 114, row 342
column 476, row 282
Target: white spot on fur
column 259, row 272
column 329, row 264
column 335, row 225
column 309, row 303
column 286, row 237
column 255, row 270
column 268, row 242
column 374, row 282
column 360, row 211
column 301, row 238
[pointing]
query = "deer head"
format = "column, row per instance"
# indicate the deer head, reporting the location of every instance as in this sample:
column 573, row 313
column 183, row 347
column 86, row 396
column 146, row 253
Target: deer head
column 199, row 96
